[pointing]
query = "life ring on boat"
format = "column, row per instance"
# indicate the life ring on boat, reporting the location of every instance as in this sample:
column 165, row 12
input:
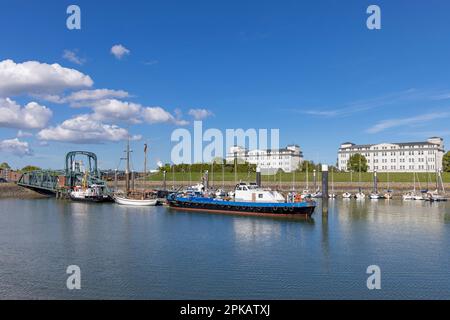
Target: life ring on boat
column 258, row 209
column 291, row 209
column 285, row 209
column 274, row 209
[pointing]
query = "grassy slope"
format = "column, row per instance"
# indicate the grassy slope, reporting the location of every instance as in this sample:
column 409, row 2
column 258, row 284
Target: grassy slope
column 288, row 177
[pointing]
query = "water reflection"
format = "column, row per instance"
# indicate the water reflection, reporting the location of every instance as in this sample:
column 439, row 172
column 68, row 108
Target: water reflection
column 159, row 253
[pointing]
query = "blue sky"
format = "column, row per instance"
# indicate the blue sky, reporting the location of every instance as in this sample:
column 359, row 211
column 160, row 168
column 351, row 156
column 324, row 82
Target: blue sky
column 310, row 68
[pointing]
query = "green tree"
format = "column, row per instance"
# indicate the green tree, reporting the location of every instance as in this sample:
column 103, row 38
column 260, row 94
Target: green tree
column 446, row 162
column 307, row 164
column 30, row 168
column 4, row 165
column 357, row 162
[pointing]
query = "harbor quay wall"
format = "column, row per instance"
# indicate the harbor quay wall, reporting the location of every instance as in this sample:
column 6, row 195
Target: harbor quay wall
column 339, row 187
column 12, row 190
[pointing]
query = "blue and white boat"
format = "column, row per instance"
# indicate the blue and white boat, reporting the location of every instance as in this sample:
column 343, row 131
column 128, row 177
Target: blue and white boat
column 247, row 199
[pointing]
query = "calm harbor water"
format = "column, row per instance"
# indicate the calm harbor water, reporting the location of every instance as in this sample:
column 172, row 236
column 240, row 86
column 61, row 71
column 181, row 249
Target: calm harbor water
column 157, row 253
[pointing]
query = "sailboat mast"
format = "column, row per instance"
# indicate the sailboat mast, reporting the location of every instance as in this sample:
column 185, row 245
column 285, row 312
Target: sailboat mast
column 388, row 182
column 307, row 176
column 436, row 170
column 332, row 180
column 359, row 173
column 145, row 163
column 127, row 170
column 145, row 160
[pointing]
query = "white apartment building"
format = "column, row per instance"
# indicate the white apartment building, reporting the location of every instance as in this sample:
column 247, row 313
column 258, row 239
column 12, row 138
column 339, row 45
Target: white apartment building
column 425, row 156
column 270, row 160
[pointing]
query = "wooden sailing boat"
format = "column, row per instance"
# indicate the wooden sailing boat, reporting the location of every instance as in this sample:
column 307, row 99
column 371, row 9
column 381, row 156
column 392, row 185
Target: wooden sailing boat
column 133, row 197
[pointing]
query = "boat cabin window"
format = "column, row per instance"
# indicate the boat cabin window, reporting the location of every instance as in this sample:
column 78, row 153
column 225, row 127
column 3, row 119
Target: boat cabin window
column 260, row 195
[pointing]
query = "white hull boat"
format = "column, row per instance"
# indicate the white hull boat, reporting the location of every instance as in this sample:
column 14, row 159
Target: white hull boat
column 317, row 195
column 360, row 195
column 434, row 196
column 409, row 196
column 388, row 196
column 346, row 195
column 135, row 202
column 375, row 196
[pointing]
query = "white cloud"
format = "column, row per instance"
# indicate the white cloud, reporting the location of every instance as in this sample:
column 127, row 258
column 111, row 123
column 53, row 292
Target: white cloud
column 392, row 123
column 31, row 116
column 72, row 57
column 84, row 97
column 158, row 115
column 15, row 147
column 84, row 129
column 33, row 77
column 119, row 51
column 200, row 114
column 112, row 109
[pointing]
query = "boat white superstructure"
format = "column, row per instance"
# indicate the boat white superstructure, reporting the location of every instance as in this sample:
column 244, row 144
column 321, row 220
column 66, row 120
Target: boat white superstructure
column 253, row 193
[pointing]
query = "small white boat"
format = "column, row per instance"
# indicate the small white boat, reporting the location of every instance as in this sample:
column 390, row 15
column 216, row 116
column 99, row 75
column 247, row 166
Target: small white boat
column 434, row 196
column 375, row 196
column 135, row 202
column 360, row 195
column 347, row 195
column 332, row 196
column 418, row 197
column 388, row 195
column 408, row 196
column 317, row 194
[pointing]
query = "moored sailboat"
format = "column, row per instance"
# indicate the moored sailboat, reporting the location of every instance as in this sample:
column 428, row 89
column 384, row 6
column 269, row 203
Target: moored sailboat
column 132, row 197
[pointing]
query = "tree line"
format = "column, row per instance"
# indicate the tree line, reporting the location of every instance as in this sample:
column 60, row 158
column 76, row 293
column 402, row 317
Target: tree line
column 5, row 165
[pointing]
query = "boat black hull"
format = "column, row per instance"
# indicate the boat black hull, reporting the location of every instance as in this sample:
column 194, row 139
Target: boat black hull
column 247, row 210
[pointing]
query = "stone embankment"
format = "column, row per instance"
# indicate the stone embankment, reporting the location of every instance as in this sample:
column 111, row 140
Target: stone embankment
column 12, row 190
